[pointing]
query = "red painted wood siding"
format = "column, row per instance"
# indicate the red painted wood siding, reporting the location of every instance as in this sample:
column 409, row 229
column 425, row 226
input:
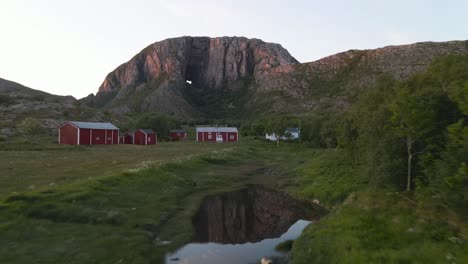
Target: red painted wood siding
column 68, row 135
column 211, row 136
column 127, row 139
column 115, row 138
column 139, row 138
column 152, row 139
column 232, row 136
column 98, row 137
column 174, row 135
column 85, row 136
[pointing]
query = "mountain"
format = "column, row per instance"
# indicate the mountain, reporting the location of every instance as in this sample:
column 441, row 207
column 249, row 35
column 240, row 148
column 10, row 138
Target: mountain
column 18, row 102
column 219, row 70
column 236, row 77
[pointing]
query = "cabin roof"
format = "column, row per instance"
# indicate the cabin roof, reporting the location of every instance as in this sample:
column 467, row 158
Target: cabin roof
column 147, row 130
column 93, row 125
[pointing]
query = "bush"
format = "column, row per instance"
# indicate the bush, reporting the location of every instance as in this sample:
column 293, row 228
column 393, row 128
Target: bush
column 30, row 126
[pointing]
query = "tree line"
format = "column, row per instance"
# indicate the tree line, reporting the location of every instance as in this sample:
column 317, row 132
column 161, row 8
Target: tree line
column 410, row 134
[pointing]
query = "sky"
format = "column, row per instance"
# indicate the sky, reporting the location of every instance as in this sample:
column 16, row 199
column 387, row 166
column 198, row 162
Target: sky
column 67, row 47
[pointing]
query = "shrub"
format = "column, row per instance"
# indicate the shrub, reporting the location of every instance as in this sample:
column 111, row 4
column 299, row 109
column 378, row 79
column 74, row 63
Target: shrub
column 30, row 126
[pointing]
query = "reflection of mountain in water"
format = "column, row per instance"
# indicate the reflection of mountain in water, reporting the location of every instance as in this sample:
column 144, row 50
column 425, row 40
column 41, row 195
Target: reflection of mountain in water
column 249, row 215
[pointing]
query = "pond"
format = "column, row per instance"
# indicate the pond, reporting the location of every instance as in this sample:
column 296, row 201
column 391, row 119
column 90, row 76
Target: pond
column 244, row 226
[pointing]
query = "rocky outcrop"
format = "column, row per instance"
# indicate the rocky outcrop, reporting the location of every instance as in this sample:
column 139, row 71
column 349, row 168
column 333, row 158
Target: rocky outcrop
column 161, row 71
column 333, row 83
column 236, row 77
column 207, row 62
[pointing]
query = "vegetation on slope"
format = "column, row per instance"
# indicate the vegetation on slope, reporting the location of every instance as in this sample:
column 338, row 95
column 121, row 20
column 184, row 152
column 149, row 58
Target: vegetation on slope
column 393, row 172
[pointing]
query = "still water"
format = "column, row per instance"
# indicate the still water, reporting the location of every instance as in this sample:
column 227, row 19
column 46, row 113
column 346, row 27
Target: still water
column 244, row 226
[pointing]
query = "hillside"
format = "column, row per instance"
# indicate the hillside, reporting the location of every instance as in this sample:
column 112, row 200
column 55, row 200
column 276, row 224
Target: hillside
column 236, row 77
column 18, row 102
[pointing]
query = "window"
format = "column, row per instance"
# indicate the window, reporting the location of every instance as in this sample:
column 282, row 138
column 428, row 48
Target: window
column 231, row 137
column 209, row 137
column 98, row 138
column 149, row 139
column 109, row 138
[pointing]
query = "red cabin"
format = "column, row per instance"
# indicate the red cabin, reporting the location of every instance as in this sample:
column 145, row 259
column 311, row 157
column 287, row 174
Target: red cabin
column 88, row 133
column 217, row 134
column 144, row 137
column 126, row 138
column 177, row 134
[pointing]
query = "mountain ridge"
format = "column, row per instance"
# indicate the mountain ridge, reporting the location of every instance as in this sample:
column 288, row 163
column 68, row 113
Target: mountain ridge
column 237, row 77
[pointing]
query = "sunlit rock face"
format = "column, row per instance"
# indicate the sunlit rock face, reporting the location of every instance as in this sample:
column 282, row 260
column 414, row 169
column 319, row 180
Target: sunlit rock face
column 249, row 215
column 210, row 62
column 241, row 78
column 155, row 79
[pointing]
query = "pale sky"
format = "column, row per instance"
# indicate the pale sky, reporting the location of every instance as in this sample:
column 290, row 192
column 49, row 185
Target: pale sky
column 67, row 47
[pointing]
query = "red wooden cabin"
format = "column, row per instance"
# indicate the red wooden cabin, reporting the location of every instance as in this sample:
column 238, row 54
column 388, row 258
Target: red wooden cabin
column 177, row 134
column 217, row 134
column 144, row 137
column 88, row 133
column 126, row 138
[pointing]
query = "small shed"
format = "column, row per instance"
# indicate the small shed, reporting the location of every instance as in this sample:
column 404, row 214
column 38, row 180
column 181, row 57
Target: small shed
column 177, row 134
column 127, row 138
column 144, row 137
column 88, row 133
column 217, row 134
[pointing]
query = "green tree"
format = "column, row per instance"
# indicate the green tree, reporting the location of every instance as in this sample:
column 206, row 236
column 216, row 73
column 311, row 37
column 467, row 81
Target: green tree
column 380, row 153
column 347, row 137
column 412, row 119
column 30, row 126
column 277, row 126
column 161, row 123
column 257, row 129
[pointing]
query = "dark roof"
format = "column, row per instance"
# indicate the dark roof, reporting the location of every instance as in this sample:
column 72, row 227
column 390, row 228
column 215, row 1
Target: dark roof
column 147, row 130
column 93, row 125
column 176, row 131
column 292, row 130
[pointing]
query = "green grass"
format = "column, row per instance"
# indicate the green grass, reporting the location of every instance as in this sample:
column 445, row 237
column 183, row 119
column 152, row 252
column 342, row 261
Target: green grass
column 375, row 227
column 29, row 166
column 113, row 212
column 368, row 224
column 117, row 217
column 112, row 218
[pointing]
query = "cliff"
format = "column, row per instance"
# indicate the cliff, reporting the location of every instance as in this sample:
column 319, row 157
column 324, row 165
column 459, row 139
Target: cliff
column 236, row 77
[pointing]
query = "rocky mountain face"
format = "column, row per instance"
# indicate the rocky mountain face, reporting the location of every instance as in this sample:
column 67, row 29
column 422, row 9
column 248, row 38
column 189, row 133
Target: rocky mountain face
column 333, row 83
column 235, row 77
column 167, row 72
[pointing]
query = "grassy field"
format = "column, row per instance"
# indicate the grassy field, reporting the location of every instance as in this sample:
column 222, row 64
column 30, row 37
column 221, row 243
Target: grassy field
column 40, row 166
column 120, row 201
